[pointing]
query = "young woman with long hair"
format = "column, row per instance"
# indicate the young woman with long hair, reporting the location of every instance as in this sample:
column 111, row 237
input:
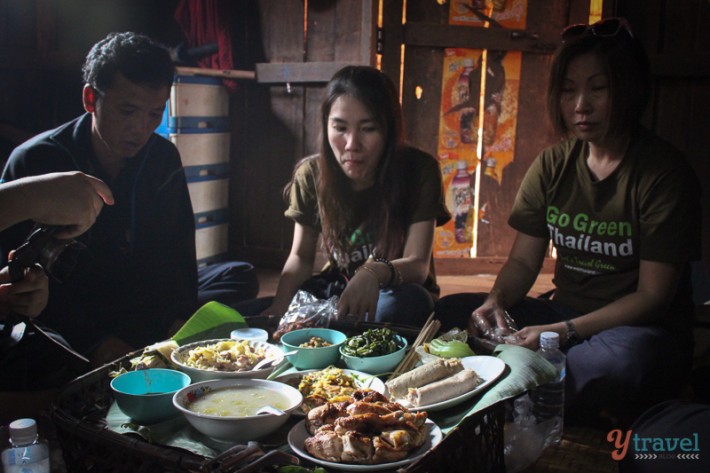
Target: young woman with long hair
column 372, row 201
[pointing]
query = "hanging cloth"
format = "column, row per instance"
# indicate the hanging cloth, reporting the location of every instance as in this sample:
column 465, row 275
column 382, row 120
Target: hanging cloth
column 205, row 22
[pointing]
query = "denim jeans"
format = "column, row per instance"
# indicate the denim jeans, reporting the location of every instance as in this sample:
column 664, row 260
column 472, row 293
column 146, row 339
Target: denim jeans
column 408, row 304
column 227, row 282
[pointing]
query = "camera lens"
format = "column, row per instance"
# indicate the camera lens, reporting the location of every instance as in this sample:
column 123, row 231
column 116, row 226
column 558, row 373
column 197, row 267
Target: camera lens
column 58, row 257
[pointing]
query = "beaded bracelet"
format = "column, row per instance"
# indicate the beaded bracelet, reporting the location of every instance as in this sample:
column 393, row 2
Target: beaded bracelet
column 393, row 270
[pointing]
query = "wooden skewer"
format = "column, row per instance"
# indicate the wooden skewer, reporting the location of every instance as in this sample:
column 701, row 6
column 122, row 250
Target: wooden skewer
column 428, row 332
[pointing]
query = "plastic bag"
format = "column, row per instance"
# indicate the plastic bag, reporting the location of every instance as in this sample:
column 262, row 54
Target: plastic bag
column 306, row 310
column 503, row 335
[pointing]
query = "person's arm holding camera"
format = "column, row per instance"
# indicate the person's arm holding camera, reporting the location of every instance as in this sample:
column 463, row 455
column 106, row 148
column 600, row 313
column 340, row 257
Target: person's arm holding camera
column 69, row 199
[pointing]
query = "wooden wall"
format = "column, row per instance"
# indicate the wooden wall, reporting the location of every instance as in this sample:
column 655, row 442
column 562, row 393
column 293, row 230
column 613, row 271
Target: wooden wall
column 42, row 47
column 300, row 45
column 677, row 38
column 426, row 35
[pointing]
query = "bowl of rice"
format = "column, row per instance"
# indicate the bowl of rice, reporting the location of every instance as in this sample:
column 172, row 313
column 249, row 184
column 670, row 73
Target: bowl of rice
column 226, row 358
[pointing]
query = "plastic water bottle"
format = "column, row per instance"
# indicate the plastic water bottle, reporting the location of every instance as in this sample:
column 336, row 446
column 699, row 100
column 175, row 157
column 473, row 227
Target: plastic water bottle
column 524, row 437
column 461, row 196
column 549, row 399
column 463, row 94
column 27, row 453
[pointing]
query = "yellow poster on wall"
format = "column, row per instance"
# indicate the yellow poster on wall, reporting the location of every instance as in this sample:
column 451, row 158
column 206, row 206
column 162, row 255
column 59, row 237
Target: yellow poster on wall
column 507, row 13
column 459, row 137
column 458, row 141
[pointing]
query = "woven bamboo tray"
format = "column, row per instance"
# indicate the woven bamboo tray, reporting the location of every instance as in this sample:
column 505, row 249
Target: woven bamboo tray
column 79, row 412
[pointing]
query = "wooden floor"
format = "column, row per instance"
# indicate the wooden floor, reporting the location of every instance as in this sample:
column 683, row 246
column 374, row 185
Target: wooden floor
column 268, row 279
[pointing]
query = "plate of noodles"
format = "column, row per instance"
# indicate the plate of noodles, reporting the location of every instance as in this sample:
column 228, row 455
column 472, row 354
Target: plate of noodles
column 330, row 384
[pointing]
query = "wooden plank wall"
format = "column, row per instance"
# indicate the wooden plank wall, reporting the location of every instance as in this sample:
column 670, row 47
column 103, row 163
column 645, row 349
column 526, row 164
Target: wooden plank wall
column 42, row 47
column 279, row 122
column 423, row 67
column 677, row 39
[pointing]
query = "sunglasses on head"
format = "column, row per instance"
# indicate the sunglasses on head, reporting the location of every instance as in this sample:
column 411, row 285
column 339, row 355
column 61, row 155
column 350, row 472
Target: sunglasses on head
column 604, row 29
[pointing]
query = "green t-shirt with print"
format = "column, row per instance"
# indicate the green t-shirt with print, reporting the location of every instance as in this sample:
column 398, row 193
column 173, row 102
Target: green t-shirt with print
column 648, row 208
column 424, row 192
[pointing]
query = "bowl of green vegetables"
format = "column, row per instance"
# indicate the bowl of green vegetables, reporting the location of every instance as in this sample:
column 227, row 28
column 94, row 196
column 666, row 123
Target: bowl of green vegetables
column 375, row 351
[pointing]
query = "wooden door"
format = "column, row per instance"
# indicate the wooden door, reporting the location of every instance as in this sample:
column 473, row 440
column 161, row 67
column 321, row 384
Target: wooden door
column 428, row 38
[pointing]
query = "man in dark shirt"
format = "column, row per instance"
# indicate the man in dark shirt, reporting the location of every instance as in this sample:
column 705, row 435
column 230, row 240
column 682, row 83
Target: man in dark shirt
column 138, row 275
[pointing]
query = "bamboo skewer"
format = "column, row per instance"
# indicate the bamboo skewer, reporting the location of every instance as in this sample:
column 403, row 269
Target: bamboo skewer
column 427, row 333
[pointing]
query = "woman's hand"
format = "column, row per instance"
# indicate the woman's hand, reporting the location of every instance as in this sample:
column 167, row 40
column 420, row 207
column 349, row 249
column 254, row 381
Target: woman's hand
column 529, row 337
column 487, row 318
column 27, row 297
column 359, row 299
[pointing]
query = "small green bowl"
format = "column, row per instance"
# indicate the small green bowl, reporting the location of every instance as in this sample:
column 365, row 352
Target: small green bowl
column 313, row 358
column 377, row 364
column 146, row 396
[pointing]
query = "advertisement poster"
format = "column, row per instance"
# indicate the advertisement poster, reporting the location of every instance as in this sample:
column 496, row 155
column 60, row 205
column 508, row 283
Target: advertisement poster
column 459, row 137
column 508, row 13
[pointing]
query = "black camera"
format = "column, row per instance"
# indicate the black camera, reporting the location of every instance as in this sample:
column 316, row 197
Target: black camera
column 56, row 256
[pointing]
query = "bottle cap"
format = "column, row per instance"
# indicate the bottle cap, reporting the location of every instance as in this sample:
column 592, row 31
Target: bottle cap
column 461, row 164
column 23, row 431
column 468, row 62
column 255, row 334
column 549, row 340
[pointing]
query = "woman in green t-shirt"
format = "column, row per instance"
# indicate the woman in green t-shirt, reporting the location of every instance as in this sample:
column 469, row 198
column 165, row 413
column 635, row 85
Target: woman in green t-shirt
column 621, row 207
column 372, row 199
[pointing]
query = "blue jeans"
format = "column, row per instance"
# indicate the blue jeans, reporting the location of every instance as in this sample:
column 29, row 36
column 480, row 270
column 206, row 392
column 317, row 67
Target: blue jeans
column 622, row 370
column 408, row 304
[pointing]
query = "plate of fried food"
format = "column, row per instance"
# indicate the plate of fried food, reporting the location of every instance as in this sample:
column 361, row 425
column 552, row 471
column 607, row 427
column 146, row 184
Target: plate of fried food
column 330, row 384
column 444, row 382
column 366, row 433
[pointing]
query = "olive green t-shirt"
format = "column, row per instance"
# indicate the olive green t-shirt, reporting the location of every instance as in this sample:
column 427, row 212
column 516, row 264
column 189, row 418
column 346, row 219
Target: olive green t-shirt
column 423, row 188
column 648, row 208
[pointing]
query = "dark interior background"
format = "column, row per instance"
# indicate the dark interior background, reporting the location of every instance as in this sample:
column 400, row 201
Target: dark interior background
column 295, row 46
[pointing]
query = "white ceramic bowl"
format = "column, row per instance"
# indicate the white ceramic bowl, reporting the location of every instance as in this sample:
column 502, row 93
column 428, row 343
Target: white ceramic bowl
column 232, row 428
column 197, row 374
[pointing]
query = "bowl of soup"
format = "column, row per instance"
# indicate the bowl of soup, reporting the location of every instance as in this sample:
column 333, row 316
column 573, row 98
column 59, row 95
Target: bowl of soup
column 226, row 409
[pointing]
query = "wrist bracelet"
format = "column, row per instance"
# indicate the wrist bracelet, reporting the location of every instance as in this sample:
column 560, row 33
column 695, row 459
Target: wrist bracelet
column 371, row 271
column 393, row 270
column 572, row 337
